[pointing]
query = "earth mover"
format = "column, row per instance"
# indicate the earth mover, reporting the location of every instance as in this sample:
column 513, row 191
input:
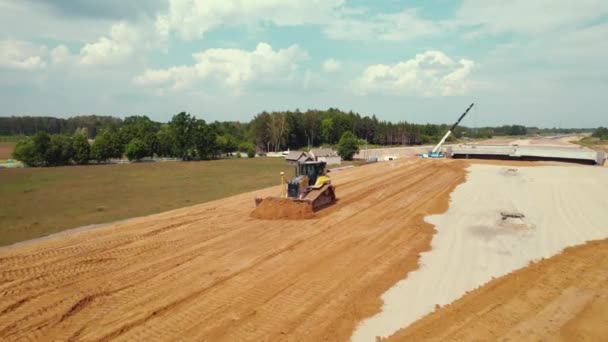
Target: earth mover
column 309, row 191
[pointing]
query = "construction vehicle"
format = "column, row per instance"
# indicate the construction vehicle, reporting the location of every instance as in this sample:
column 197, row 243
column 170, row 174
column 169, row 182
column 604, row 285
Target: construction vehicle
column 436, row 152
column 309, row 191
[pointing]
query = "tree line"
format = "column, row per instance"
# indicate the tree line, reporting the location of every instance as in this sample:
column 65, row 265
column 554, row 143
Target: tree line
column 601, row 133
column 137, row 137
column 188, row 137
column 30, row 125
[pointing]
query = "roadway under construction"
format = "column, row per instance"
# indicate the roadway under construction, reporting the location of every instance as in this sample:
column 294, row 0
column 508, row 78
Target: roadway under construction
column 530, row 153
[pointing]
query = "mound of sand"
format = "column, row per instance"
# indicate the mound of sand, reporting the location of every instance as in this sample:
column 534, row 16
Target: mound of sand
column 278, row 208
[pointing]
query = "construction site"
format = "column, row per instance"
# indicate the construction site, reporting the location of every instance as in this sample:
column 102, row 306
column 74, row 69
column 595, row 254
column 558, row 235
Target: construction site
column 290, row 170
column 408, row 249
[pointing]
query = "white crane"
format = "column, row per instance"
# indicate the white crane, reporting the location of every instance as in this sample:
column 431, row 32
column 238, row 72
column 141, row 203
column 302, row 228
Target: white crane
column 435, row 153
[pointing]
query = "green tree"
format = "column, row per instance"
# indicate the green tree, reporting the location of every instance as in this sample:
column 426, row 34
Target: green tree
column 278, row 129
column 601, row 132
column 226, row 144
column 327, row 126
column 25, row 151
column 184, row 126
column 166, row 141
column 311, row 126
column 81, row 148
column 136, row 149
column 42, row 144
column 260, row 130
column 517, row 130
column 60, row 150
column 144, row 129
column 348, row 146
column 205, row 140
column 33, row 151
column 106, row 145
column 245, row 146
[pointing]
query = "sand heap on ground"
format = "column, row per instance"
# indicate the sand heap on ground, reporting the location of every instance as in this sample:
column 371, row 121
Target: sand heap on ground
column 278, row 208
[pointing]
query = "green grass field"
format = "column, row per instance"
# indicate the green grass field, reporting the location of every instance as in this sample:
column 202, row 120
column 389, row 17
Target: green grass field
column 35, row 202
column 594, row 143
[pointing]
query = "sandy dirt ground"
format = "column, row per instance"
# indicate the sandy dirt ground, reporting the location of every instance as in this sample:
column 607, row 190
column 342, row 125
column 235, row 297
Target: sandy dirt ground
column 6, row 150
column 211, row 272
column 564, row 298
column 561, row 206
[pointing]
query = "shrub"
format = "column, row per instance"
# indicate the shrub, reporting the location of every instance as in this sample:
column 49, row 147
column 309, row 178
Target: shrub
column 33, row 151
column 81, row 148
column 251, row 152
column 60, row 150
column 26, row 153
column 136, row 149
column 348, row 146
column 106, row 146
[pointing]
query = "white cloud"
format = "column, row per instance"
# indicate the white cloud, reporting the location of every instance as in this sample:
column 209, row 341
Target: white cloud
column 525, row 16
column 116, row 48
column 233, row 68
column 60, row 55
column 431, row 73
column 15, row 54
column 193, row 18
column 331, row 65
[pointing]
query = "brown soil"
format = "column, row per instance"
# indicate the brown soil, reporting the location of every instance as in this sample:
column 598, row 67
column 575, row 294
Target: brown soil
column 6, row 150
column 563, row 298
column 276, row 208
column 210, row 272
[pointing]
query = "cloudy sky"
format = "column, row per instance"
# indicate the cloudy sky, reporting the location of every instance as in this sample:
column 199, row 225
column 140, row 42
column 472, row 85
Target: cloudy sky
column 535, row 62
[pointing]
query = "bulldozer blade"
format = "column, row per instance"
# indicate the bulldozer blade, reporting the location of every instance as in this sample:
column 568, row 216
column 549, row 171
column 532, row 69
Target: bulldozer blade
column 277, row 208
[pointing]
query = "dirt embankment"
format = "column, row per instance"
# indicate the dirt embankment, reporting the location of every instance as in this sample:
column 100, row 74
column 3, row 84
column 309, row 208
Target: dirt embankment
column 210, row 272
column 563, row 298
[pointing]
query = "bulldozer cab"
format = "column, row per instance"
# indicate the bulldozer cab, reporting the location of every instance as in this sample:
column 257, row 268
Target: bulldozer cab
column 312, row 169
column 309, row 191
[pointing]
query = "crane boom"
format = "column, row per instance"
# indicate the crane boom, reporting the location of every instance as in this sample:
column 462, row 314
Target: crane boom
column 436, row 149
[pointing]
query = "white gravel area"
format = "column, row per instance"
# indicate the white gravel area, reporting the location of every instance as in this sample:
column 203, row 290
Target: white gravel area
column 562, row 206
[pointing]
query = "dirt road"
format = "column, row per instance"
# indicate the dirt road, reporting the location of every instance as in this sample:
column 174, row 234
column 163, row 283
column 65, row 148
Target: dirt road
column 210, row 272
column 563, row 298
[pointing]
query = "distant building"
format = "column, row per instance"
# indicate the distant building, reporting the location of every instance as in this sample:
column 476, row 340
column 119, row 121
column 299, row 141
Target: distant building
column 327, row 155
column 298, row 156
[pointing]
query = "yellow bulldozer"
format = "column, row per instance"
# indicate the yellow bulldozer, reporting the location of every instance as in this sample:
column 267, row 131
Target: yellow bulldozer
column 306, row 193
